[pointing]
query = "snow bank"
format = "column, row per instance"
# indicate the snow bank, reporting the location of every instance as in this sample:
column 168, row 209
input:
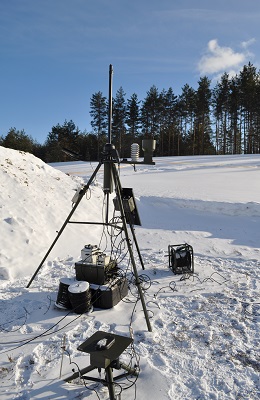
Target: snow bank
column 35, row 200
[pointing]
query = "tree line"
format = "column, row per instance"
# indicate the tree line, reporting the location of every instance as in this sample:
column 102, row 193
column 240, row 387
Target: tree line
column 224, row 119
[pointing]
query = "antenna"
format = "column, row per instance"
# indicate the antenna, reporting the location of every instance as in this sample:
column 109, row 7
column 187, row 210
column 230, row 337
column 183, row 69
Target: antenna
column 107, row 152
column 110, row 103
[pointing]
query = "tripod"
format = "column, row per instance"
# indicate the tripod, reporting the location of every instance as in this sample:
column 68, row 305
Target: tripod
column 109, row 378
column 109, row 159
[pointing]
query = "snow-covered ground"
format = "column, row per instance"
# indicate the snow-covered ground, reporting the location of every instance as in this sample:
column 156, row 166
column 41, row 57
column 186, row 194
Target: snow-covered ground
column 204, row 342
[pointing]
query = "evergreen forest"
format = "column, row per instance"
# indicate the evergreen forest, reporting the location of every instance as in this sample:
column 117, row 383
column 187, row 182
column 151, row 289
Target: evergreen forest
column 224, row 119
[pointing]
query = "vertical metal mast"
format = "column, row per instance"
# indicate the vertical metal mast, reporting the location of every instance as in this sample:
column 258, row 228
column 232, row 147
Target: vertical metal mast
column 110, row 102
column 108, row 182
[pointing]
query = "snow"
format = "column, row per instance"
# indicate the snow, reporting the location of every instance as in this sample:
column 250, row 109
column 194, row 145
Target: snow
column 204, row 342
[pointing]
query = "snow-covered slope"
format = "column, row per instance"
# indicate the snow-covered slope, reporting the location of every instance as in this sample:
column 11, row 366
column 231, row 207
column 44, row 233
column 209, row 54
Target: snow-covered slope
column 35, row 200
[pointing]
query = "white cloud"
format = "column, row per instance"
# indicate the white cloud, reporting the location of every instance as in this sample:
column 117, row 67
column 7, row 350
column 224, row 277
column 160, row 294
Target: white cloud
column 247, row 43
column 219, row 59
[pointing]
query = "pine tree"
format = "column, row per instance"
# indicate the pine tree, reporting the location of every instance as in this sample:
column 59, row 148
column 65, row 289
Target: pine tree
column 235, row 116
column 202, row 138
column 119, row 121
column 18, row 140
column 186, row 107
column 99, row 122
column 150, row 114
column 133, row 117
column 62, row 137
column 248, row 84
column 168, row 123
column 88, row 145
column 221, row 104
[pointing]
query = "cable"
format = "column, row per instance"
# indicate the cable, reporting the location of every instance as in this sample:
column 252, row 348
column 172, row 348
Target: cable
column 132, row 315
column 73, row 362
column 9, row 322
column 172, row 286
column 43, row 334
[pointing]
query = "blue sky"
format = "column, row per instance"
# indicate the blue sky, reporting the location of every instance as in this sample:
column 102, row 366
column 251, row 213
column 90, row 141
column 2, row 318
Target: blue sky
column 55, row 54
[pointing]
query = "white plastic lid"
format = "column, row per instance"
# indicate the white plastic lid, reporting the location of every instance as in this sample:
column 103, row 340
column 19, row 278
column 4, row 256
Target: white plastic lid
column 67, row 281
column 79, row 287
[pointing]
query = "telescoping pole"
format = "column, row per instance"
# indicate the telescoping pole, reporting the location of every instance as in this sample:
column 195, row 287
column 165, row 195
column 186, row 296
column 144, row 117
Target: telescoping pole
column 110, row 102
column 107, row 170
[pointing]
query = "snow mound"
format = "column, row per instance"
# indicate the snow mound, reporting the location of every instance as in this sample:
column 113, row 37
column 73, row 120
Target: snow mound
column 35, row 200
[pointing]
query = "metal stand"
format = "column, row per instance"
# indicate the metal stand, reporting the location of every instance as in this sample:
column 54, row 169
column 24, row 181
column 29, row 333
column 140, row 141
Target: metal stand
column 106, row 358
column 109, row 378
column 108, row 381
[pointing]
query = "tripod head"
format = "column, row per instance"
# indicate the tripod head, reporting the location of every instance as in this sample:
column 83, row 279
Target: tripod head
column 110, row 153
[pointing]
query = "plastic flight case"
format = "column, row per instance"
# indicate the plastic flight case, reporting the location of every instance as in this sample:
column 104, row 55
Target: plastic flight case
column 107, row 296
column 95, row 273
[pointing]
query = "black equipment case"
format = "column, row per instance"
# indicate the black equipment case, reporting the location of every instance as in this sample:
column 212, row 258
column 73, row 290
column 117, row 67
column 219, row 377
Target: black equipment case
column 94, row 273
column 107, row 296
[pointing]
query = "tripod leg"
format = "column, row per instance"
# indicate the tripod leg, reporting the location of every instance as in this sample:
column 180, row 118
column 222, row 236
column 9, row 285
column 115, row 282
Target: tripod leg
column 85, row 188
column 110, row 383
column 79, row 373
column 138, row 283
column 136, row 245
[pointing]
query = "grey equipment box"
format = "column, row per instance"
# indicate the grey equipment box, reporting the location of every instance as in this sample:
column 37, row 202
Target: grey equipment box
column 107, row 296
